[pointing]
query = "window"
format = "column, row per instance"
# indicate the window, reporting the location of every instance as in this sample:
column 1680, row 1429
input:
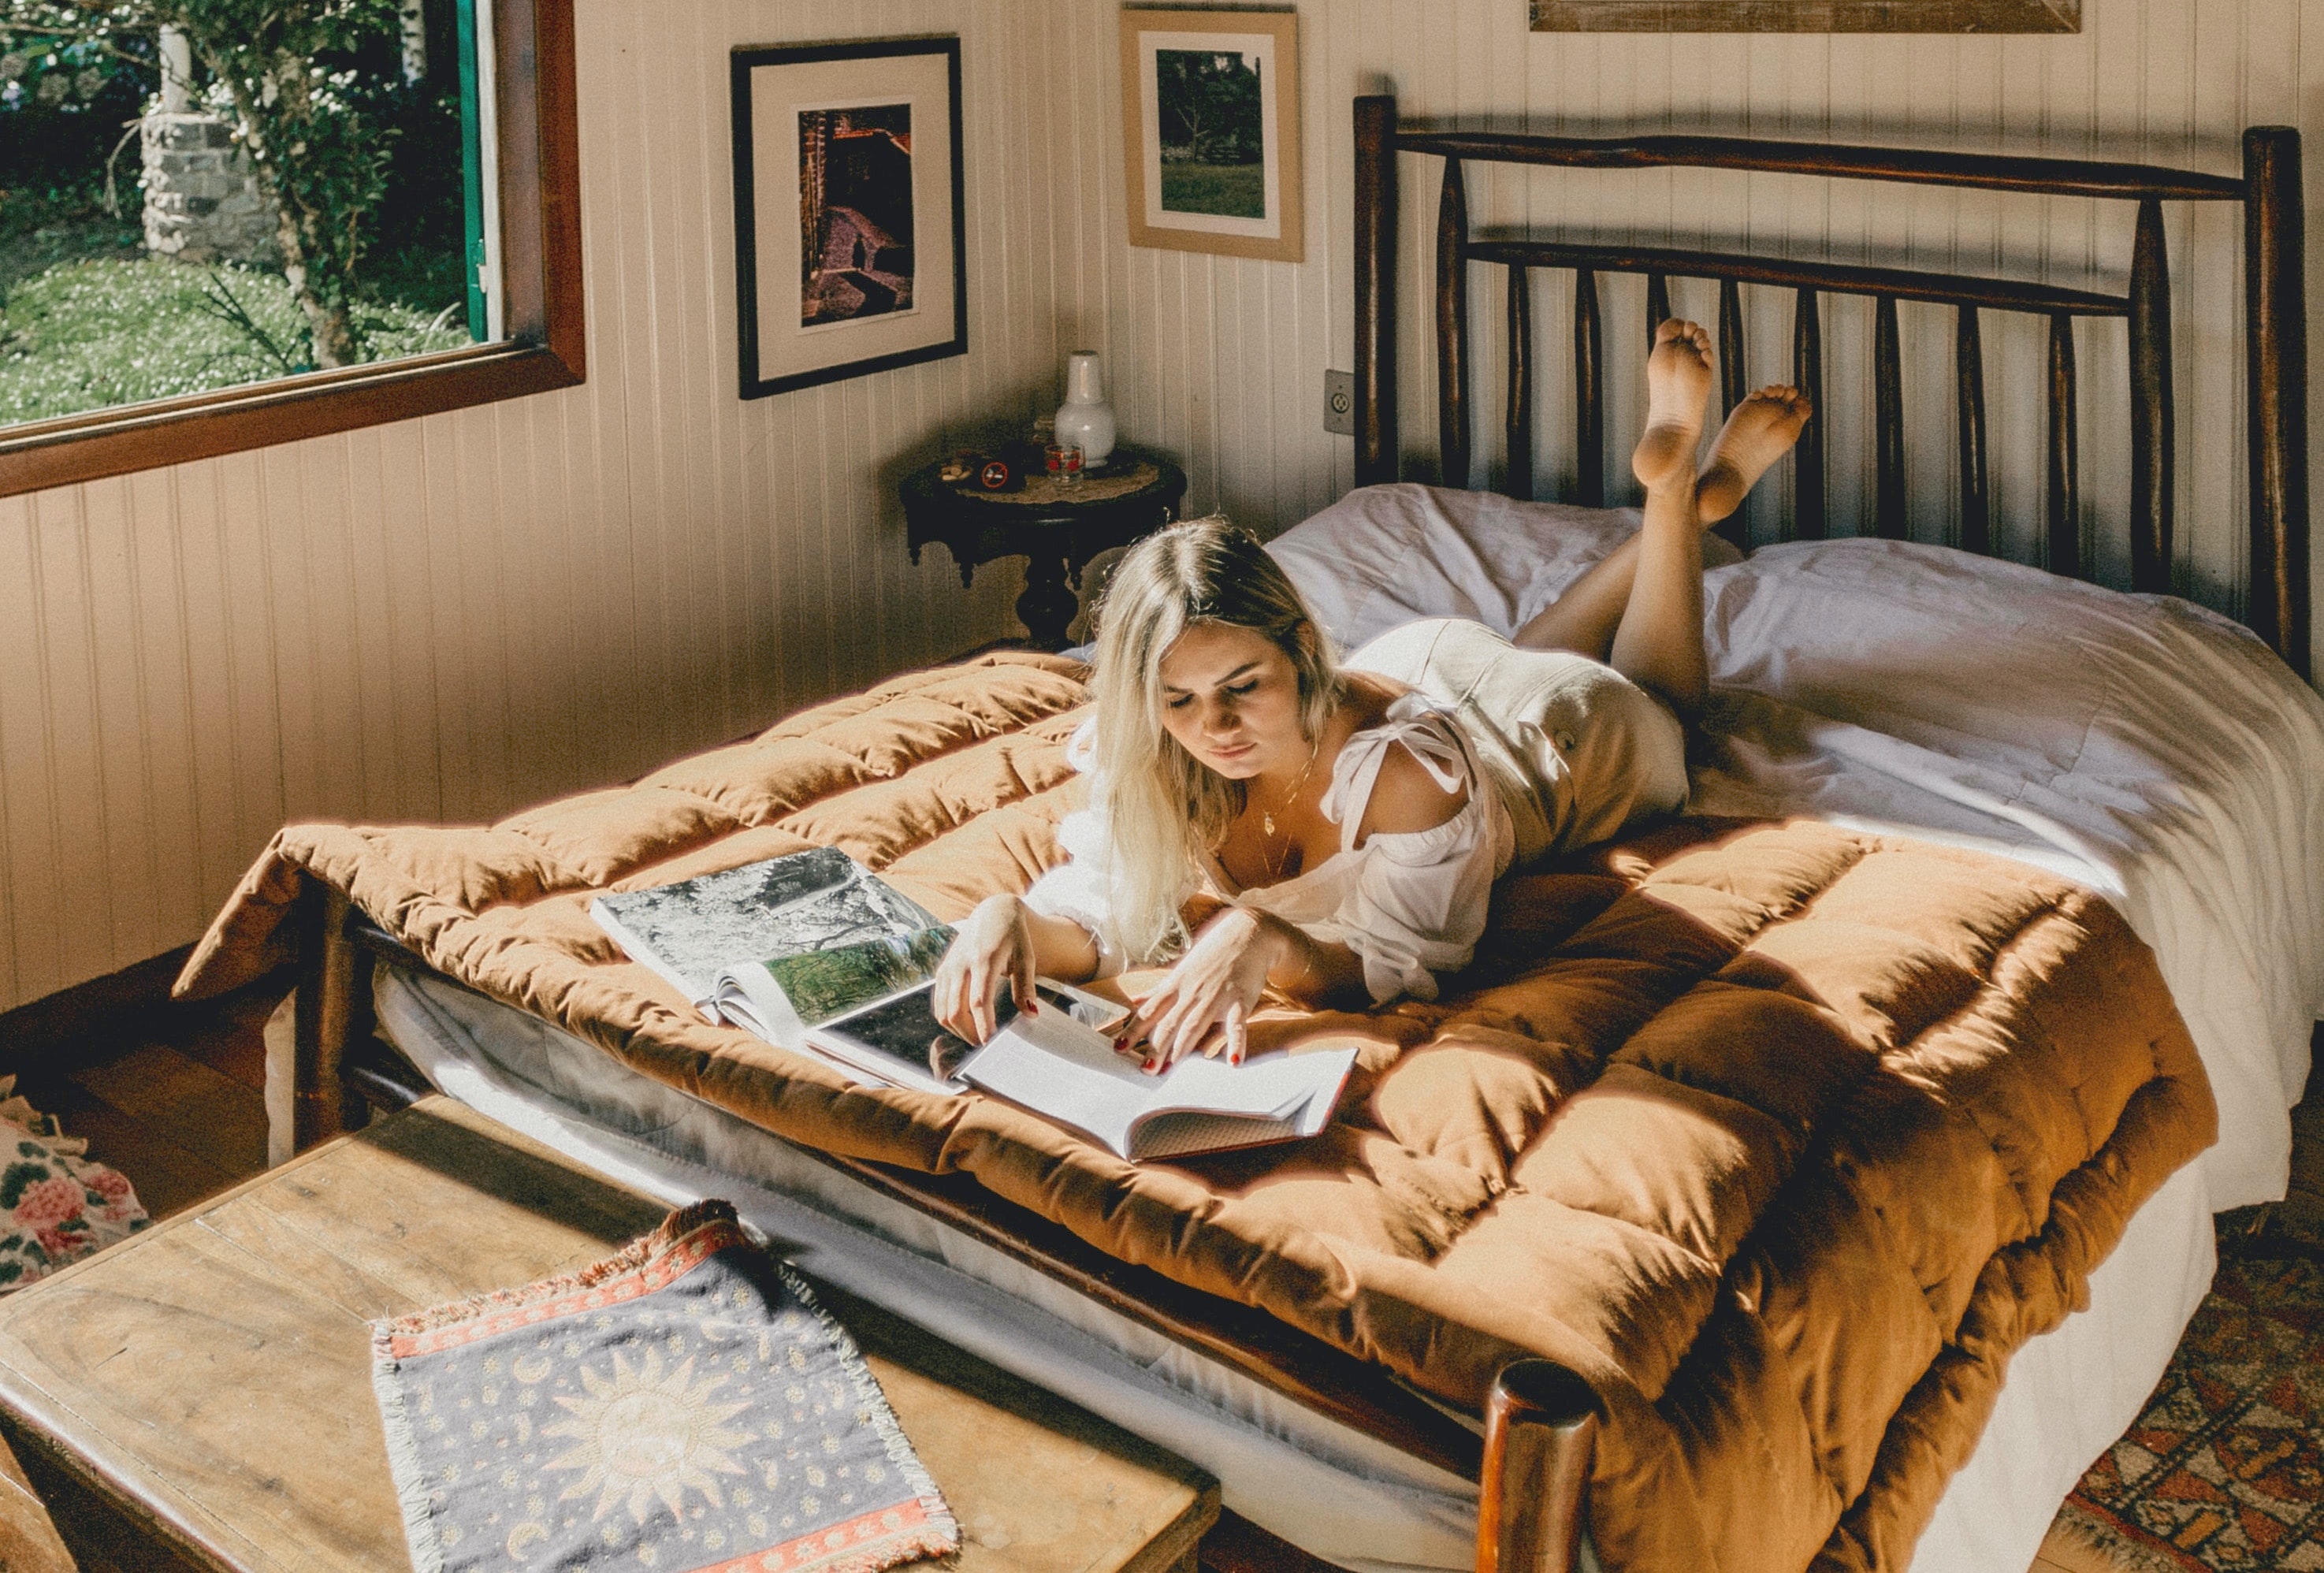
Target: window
column 509, row 262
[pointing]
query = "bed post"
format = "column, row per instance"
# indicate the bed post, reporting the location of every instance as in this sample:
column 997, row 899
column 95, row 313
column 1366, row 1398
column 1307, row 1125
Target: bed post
column 2276, row 351
column 1452, row 326
column 1375, row 450
column 306, row 1100
column 1541, row 1429
column 2153, row 441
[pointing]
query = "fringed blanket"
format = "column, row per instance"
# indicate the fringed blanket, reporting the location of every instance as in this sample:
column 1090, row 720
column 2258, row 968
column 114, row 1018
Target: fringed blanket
column 685, row 1404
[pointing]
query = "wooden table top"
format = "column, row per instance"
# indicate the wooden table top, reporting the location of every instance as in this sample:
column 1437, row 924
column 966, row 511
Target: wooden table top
column 210, row 1379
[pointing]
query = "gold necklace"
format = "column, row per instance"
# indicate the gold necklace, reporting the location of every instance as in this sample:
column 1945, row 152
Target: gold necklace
column 1267, row 818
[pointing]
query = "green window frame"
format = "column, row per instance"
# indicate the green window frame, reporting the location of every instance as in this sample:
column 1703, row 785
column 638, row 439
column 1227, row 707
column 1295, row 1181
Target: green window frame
column 537, row 166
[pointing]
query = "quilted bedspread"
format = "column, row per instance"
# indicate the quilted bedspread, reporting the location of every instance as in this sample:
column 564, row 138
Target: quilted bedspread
column 1785, row 1137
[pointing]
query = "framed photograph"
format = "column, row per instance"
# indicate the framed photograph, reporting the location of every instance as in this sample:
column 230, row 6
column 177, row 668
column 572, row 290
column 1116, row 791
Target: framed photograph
column 851, row 253
column 1807, row 15
column 1209, row 122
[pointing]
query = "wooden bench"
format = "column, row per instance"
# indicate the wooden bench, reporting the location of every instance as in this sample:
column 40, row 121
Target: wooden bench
column 200, row 1396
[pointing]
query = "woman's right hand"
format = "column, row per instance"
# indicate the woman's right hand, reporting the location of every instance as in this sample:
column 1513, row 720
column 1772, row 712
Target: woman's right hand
column 992, row 945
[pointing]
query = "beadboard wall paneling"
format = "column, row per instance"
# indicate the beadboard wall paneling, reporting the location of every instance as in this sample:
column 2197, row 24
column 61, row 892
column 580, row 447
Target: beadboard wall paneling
column 447, row 619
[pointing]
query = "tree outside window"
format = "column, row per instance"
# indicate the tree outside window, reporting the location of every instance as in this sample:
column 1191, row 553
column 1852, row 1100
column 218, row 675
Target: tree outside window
column 196, row 194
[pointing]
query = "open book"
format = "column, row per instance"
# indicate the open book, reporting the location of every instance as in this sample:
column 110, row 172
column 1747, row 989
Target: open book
column 1060, row 1062
column 715, row 936
column 1058, row 1065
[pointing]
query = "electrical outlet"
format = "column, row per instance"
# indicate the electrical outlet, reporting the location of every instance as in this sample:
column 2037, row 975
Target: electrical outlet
column 1339, row 402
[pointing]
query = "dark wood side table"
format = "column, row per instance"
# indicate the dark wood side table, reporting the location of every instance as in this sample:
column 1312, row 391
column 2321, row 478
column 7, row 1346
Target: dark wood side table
column 1057, row 529
column 199, row 1397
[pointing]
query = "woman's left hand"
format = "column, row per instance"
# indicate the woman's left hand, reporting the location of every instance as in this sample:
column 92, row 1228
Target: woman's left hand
column 1204, row 1005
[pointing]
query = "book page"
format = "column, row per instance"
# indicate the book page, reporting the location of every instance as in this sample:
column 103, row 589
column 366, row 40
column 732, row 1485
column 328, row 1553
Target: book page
column 1193, row 1116
column 1055, row 1066
column 820, row 985
column 689, row 929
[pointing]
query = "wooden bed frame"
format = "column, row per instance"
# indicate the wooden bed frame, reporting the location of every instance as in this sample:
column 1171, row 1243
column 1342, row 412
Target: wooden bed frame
column 2275, row 327
column 1532, row 1460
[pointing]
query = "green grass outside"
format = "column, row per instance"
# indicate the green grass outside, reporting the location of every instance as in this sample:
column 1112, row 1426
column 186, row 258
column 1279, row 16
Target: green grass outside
column 90, row 334
column 40, row 229
column 1225, row 190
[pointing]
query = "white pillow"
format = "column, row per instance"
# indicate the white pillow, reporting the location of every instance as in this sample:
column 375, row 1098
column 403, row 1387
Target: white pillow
column 1384, row 556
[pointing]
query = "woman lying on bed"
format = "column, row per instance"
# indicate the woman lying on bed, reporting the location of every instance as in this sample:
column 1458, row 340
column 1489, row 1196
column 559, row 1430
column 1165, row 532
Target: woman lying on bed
column 1354, row 818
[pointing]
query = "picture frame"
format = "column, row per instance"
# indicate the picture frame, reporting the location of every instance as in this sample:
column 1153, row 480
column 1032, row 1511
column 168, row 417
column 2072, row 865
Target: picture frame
column 829, row 288
column 1210, row 126
column 1807, row 15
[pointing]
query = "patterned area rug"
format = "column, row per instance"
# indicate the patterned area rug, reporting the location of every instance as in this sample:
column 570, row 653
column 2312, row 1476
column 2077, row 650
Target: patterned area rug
column 683, row 1407
column 2225, row 1468
column 57, row 1205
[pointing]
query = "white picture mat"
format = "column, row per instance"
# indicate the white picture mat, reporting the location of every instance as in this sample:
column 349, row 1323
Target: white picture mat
column 778, row 94
column 1248, row 44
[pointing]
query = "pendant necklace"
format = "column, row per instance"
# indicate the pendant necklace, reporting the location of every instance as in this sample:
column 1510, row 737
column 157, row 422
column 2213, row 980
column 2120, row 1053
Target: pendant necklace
column 1267, row 818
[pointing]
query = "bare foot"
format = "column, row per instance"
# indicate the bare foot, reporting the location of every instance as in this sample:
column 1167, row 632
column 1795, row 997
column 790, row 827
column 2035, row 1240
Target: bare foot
column 1678, row 385
column 1761, row 430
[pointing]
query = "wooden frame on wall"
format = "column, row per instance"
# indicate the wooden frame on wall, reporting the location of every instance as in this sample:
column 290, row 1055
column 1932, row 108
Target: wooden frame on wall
column 1243, row 205
column 1807, row 15
column 540, row 174
column 899, row 293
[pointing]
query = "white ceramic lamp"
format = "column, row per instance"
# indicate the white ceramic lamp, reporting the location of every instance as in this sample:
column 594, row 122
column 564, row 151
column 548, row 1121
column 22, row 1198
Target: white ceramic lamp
column 1086, row 420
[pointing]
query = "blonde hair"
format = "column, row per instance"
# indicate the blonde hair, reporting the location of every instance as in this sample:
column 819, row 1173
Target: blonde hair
column 1165, row 807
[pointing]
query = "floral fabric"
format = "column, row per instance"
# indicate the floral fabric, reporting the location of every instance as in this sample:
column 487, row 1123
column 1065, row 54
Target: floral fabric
column 56, row 1206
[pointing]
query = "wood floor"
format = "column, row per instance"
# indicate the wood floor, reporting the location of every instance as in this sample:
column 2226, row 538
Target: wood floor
column 178, row 1103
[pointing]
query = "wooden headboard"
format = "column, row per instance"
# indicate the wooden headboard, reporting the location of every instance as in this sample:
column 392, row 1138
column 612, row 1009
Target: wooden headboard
column 2274, row 322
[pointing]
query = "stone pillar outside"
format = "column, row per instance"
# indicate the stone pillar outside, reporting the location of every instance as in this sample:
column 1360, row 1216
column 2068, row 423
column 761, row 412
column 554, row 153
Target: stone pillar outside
column 203, row 202
column 176, row 72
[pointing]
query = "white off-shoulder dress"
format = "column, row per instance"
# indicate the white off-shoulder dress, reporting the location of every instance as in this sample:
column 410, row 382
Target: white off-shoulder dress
column 1409, row 904
column 1554, row 749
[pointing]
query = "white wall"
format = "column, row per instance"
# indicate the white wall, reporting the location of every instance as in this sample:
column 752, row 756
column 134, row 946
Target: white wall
column 447, row 619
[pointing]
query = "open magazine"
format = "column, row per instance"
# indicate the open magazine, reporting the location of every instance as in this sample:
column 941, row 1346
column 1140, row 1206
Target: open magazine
column 813, row 951
column 708, row 934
